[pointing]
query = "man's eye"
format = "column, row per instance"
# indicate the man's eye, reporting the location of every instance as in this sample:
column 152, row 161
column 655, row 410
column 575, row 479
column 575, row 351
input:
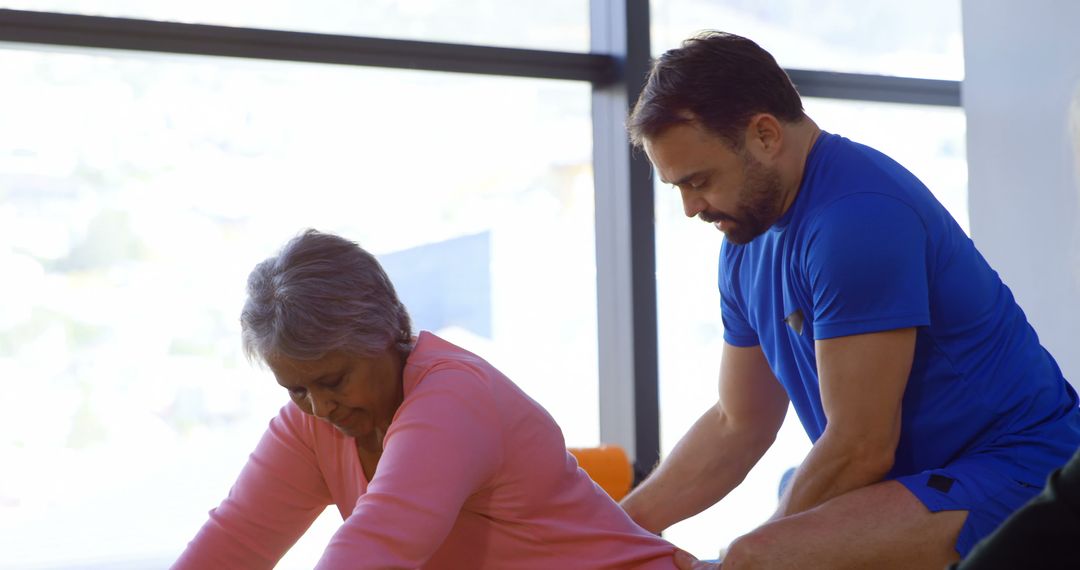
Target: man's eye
column 692, row 186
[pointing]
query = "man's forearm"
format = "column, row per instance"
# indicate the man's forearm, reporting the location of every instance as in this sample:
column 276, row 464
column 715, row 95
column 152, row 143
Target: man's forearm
column 708, row 462
column 862, row 379
column 832, row 469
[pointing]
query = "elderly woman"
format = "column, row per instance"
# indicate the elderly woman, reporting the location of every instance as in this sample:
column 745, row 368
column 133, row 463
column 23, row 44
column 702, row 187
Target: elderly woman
column 433, row 458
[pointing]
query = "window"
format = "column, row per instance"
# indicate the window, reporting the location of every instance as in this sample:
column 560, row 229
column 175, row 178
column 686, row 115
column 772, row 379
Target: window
column 137, row 192
column 553, row 25
column 914, row 38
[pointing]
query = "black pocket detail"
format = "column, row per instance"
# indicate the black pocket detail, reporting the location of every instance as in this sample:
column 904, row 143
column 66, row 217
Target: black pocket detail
column 940, row 482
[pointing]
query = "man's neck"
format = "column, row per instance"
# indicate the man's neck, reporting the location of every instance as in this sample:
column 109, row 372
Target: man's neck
column 802, row 136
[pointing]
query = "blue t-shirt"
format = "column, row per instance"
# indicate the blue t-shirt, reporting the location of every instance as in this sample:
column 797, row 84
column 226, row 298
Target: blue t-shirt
column 866, row 247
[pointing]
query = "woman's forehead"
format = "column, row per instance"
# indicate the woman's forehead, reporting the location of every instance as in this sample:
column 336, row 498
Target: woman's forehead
column 283, row 365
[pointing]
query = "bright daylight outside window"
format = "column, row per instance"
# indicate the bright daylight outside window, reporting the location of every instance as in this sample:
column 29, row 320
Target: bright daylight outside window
column 892, row 38
column 911, row 38
column 136, row 193
column 560, row 25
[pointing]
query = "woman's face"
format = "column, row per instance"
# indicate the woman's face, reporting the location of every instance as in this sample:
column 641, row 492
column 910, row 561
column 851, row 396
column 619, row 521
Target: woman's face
column 358, row 395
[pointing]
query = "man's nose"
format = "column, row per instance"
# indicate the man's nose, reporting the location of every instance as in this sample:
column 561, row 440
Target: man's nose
column 692, row 205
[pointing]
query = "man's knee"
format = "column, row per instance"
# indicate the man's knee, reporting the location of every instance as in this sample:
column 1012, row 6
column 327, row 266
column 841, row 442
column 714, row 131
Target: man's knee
column 752, row 550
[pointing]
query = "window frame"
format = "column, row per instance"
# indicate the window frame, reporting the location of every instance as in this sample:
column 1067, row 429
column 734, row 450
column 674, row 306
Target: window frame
column 625, row 238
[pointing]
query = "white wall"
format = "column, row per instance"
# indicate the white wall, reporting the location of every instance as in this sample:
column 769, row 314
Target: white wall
column 1022, row 60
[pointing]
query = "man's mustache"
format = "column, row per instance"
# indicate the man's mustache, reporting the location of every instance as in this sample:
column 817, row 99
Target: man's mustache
column 713, row 217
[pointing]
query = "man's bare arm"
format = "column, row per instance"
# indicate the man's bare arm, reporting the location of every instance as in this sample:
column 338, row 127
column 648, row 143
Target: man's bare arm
column 862, row 380
column 721, row 447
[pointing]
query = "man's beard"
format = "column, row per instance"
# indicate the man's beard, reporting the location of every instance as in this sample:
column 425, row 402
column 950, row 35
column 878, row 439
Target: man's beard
column 759, row 206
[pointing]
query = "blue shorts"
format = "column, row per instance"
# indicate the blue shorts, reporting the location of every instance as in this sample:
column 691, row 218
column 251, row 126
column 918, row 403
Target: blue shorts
column 982, row 485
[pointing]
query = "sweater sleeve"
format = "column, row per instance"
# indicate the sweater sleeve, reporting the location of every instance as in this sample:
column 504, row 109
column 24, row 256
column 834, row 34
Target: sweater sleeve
column 443, row 446
column 277, row 496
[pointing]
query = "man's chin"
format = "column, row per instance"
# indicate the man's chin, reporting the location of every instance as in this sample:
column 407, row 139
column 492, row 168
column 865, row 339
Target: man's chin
column 738, row 236
column 733, row 235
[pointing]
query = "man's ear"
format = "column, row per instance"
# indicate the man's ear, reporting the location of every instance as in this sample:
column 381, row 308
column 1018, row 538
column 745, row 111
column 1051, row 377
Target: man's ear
column 764, row 136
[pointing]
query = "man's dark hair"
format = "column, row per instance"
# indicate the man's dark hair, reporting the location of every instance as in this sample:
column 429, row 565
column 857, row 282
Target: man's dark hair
column 718, row 78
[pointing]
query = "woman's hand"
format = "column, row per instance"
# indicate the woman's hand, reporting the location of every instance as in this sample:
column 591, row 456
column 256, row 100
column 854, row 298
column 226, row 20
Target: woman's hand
column 686, row 561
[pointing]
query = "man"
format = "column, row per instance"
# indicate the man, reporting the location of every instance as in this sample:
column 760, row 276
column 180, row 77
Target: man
column 848, row 290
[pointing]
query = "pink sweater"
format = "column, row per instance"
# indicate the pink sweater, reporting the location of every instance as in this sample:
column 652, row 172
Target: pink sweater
column 474, row 474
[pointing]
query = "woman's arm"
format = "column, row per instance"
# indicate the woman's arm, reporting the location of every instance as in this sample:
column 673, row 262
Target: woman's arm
column 443, row 446
column 274, row 500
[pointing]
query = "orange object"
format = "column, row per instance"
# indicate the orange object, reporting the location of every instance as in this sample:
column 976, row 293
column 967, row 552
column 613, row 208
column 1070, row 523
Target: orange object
column 608, row 466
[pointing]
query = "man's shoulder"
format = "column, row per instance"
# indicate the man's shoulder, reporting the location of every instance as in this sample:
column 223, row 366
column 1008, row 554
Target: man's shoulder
column 866, row 207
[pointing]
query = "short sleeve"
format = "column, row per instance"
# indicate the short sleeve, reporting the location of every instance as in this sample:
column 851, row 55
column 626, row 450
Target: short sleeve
column 737, row 329
column 866, row 265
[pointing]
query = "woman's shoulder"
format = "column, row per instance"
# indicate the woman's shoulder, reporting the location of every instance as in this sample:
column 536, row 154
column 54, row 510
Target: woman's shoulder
column 455, row 377
column 435, row 362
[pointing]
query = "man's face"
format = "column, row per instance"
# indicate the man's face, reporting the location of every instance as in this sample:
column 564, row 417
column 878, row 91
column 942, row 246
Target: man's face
column 726, row 187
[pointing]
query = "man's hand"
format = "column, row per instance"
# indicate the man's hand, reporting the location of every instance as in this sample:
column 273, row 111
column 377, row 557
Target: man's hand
column 686, row 561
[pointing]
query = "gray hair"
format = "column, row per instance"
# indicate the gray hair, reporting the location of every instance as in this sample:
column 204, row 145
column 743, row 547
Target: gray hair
column 322, row 293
